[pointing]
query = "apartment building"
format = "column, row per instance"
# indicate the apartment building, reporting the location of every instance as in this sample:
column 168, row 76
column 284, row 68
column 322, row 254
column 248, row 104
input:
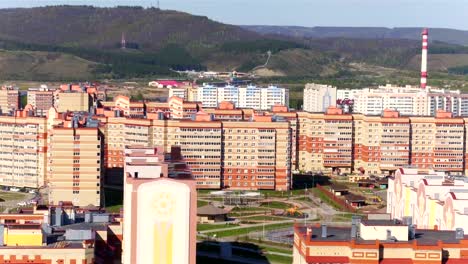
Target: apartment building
column 75, row 165
column 9, row 100
column 160, row 211
column 428, row 199
column 73, row 101
column 23, row 150
column 335, row 141
column 259, row 98
column 407, row 100
column 41, row 99
column 318, row 97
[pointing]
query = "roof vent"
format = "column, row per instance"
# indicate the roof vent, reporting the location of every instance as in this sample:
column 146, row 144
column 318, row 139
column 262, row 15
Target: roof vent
column 459, row 233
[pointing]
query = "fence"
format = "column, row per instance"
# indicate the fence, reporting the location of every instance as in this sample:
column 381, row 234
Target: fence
column 337, row 200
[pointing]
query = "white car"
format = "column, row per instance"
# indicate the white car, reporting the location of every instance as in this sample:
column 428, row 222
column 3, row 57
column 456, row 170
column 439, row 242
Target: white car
column 14, row 189
column 32, row 191
column 22, row 204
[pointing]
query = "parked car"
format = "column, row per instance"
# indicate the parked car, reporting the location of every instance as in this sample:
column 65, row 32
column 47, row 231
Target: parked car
column 14, row 189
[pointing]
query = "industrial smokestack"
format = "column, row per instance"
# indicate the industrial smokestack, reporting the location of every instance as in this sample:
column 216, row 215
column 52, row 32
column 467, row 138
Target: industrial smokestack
column 425, row 34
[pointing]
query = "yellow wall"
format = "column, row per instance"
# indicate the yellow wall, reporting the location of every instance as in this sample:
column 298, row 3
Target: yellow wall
column 22, row 237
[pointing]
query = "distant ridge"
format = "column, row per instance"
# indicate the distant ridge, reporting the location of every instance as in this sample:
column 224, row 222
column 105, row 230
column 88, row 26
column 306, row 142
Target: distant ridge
column 452, row 36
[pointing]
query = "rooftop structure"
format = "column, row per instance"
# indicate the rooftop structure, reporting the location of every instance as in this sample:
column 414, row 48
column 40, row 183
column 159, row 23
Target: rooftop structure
column 430, row 199
column 377, row 241
column 160, row 212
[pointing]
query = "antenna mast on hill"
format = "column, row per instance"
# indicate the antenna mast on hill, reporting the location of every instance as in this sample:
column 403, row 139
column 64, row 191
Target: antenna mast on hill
column 158, row 4
column 123, row 41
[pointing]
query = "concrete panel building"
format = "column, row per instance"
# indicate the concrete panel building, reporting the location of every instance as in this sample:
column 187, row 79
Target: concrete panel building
column 9, row 100
column 75, row 164
column 160, row 210
column 318, row 97
column 73, row 101
column 41, row 100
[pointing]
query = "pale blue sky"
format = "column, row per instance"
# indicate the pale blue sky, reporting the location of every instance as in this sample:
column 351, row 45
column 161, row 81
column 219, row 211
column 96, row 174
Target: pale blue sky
column 387, row 13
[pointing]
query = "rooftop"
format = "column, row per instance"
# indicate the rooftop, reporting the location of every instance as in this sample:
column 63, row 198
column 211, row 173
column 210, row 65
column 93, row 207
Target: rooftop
column 422, row 236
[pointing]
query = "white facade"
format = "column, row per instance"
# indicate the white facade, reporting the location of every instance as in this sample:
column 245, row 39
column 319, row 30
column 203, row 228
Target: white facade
column 259, row 98
column 179, row 92
column 407, row 100
column 318, row 97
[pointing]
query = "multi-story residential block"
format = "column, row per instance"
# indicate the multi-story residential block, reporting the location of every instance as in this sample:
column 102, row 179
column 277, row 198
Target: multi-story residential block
column 428, row 199
column 9, row 100
column 380, row 144
column 75, row 165
column 23, row 154
column 407, row 100
column 259, row 98
column 73, row 101
column 160, row 208
column 180, row 92
column 318, row 97
column 41, row 99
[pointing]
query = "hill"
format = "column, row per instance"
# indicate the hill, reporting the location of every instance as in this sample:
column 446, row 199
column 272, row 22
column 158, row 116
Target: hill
column 452, row 36
column 89, row 27
column 31, row 65
column 48, row 42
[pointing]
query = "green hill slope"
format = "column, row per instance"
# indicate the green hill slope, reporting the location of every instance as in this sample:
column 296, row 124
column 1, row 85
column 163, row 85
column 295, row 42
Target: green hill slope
column 31, row 65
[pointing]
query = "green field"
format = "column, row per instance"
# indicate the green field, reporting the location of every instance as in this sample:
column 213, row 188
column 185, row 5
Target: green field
column 323, row 197
column 264, row 218
column 204, row 227
column 276, row 205
column 246, row 230
column 12, row 196
column 201, row 203
column 279, row 259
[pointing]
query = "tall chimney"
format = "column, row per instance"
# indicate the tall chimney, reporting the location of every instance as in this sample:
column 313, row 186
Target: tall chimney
column 425, row 34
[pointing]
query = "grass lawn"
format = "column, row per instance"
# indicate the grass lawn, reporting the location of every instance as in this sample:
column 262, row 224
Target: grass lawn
column 264, row 218
column 271, row 193
column 201, row 203
column 241, row 209
column 204, row 227
column 276, row 205
column 304, row 198
column 245, row 213
column 279, row 259
column 323, row 197
column 9, row 196
column 246, row 230
column 114, row 208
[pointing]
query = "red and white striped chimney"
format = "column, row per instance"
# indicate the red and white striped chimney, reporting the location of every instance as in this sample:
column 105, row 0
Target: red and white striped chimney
column 425, row 34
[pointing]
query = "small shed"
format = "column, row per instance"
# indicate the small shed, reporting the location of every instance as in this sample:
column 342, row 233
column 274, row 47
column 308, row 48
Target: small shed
column 355, row 200
column 211, row 214
column 339, row 190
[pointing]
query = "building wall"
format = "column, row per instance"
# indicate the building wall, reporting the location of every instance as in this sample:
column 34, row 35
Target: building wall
column 75, row 166
column 23, row 154
column 9, row 100
column 167, row 235
column 260, row 98
column 45, row 255
column 42, row 101
column 22, row 237
column 72, row 101
column 380, row 144
column 318, row 97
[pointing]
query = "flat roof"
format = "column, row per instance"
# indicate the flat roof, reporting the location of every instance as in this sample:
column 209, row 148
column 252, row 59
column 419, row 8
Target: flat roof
column 423, row 236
